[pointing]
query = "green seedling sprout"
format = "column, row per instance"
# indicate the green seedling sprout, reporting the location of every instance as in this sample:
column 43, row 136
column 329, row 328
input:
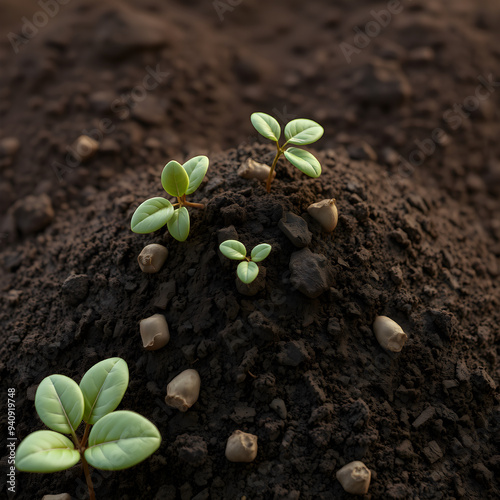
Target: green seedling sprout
column 177, row 180
column 118, row 439
column 298, row 132
column 247, row 270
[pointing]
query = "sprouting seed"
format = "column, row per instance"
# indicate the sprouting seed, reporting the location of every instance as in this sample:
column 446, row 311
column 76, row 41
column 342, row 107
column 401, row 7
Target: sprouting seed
column 299, row 132
column 248, row 269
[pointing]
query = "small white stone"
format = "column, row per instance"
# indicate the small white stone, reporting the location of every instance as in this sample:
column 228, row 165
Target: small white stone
column 326, row 213
column 355, row 478
column 241, row 447
column 152, row 258
column 251, row 169
column 84, row 148
column 389, row 334
column 183, row 390
column 154, row 332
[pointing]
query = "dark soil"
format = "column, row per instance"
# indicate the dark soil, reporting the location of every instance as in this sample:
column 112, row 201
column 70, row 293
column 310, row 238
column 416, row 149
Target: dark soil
column 420, row 246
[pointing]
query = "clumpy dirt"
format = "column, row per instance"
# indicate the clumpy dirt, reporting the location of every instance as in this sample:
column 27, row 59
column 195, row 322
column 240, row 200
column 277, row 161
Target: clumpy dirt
column 425, row 421
column 297, row 363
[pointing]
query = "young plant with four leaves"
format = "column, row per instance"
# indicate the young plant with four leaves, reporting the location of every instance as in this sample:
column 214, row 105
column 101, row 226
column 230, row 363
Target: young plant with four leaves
column 247, row 270
column 299, row 132
column 177, row 180
column 118, row 439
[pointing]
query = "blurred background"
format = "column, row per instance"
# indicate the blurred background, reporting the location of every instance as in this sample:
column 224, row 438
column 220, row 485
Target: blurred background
column 414, row 85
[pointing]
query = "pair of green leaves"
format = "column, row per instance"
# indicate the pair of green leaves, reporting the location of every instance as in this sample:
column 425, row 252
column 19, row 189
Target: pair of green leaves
column 247, row 270
column 299, row 132
column 117, row 441
column 177, row 180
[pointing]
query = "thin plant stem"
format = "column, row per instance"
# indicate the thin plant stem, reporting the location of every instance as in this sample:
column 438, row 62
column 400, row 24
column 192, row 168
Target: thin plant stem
column 194, row 205
column 279, row 152
column 85, row 436
column 86, row 471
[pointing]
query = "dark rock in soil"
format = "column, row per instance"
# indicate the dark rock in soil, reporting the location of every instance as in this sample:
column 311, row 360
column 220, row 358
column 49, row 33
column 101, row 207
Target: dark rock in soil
column 311, row 274
column 296, row 230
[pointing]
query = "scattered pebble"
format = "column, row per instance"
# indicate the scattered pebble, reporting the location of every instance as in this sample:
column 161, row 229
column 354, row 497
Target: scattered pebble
column 152, row 258
column 183, row 390
column 355, row 478
column 310, row 273
column 295, row 229
column 250, row 169
column 389, row 334
column 9, row 146
column 325, row 212
column 75, row 288
column 84, row 148
column 154, row 332
column 241, row 447
column 33, row 213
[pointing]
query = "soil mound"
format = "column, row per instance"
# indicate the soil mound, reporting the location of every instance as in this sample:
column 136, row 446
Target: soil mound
column 426, row 421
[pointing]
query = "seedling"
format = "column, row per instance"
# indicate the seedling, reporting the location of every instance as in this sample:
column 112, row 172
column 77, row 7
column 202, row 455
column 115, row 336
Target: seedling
column 177, row 180
column 297, row 132
column 118, row 440
column 247, row 270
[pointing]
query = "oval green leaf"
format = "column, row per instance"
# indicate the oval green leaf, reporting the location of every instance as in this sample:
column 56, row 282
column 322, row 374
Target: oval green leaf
column 178, row 225
column 46, row 451
column 174, row 179
column 301, row 132
column 260, row 252
column 59, row 403
column 196, row 168
column 304, row 161
column 266, row 125
column 103, row 387
column 247, row 271
column 233, row 249
column 151, row 215
column 120, row 440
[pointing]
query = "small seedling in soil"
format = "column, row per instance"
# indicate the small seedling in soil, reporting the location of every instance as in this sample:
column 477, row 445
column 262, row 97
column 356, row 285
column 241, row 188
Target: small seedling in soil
column 241, row 447
column 247, row 270
column 118, row 440
column 389, row 334
column 177, row 180
column 299, row 132
column 183, row 390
